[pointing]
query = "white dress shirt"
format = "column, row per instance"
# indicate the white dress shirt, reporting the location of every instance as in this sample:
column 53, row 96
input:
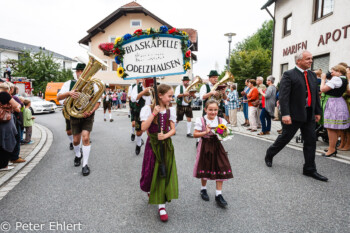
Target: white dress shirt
column 134, row 94
column 177, row 92
column 203, row 90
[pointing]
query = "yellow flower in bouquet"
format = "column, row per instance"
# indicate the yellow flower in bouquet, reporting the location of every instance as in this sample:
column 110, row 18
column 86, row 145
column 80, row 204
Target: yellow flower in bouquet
column 222, row 126
column 184, row 33
column 120, row 72
column 187, row 66
column 117, row 40
column 148, row 31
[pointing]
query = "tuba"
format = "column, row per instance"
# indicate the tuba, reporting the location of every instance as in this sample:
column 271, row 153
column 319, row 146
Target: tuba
column 85, row 85
column 191, row 87
column 227, row 78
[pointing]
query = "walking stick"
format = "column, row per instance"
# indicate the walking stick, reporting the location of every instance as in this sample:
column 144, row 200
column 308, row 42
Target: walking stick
column 162, row 171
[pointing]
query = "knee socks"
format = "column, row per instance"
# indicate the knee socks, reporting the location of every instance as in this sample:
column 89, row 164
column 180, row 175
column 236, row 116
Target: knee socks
column 86, row 152
column 138, row 140
column 77, row 151
column 162, row 212
column 188, row 127
column 70, row 138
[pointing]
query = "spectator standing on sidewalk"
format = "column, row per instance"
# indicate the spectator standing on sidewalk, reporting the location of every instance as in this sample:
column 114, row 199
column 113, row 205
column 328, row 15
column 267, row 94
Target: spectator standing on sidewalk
column 28, row 121
column 268, row 105
column 7, row 73
column 245, row 102
column 232, row 99
column 261, row 87
column 253, row 105
column 7, row 129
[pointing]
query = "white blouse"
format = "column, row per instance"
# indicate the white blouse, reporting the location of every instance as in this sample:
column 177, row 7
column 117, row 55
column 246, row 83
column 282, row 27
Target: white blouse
column 146, row 112
column 335, row 82
column 212, row 123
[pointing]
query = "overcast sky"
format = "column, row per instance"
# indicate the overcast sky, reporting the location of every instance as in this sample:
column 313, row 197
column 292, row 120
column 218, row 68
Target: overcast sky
column 58, row 25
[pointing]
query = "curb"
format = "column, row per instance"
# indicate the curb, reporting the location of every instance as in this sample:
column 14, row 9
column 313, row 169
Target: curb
column 45, row 135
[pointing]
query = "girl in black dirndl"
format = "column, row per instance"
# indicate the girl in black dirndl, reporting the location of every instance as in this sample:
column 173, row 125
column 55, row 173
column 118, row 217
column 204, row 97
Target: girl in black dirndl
column 211, row 161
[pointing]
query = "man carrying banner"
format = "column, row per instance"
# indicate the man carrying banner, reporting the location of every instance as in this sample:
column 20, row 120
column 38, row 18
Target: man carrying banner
column 107, row 103
column 132, row 107
column 67, row 87
column 141, row 95
column 182, row 107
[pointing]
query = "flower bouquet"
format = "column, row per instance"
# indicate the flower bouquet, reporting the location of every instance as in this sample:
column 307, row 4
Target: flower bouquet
column 223, row 133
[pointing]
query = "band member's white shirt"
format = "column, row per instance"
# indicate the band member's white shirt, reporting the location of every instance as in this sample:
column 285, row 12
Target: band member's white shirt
column 108, row 95
column 203, row 90
column 130, row 91
column 66, row 86
column 177, row 92
column 134, row 94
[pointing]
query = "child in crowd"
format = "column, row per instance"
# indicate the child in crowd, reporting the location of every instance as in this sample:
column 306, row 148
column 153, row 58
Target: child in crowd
column 28, row 121
column 160, row 189
column 212, row 162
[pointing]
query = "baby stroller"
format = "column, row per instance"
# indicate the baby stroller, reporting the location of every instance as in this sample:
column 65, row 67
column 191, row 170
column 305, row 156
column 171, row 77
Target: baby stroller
column 320, row 132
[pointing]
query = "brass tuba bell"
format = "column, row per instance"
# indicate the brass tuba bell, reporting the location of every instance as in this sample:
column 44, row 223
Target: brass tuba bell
column 85, row 85
column 227, row 78
column 191, row 88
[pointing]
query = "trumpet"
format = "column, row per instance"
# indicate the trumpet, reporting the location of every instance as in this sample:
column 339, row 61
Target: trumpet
column 227, row 78
column 192, row 88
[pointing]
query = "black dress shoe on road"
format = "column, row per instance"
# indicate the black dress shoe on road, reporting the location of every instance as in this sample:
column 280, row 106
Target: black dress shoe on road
column 77, row 161
column 220, row 201
column 138, row 148
column 189, row 135
column 316, row 176
column 268, row 161
column 132, row 137
column 71, row 146
column 204, row 195
column 86, row 170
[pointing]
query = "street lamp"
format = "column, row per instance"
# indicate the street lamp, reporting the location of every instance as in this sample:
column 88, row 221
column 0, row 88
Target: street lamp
column 229, row 35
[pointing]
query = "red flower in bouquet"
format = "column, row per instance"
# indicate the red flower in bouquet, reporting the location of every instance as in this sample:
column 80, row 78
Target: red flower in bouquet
column 171, row 31
column 188, row 53
column 116, row 51
column 138, row 32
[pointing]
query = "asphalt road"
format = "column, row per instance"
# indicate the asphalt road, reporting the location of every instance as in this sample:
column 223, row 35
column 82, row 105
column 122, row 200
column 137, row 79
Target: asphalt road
column 261, row 199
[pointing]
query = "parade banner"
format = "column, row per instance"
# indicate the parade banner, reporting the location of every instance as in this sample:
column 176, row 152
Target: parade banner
column 151, row 53
column 148, row 57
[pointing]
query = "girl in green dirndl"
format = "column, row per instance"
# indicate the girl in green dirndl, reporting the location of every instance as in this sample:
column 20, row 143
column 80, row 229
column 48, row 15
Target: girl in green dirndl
column 160, row 189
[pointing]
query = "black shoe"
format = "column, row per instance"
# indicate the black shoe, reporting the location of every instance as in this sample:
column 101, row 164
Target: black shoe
column 268, row 161
column 111, row 120
column 138, row 148
column 132, row 137
column 204, row 195
column 220, row 201
column 77, row 161
column 71, row 146
column 105, row 119
column 197, row 144
column 330, row 155
column 189, row 135
column 316, row 176
column 86, row 170
column 244, row 124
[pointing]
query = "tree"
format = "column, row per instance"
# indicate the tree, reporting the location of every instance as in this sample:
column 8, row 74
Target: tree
column 252, row 57
column 40, row 67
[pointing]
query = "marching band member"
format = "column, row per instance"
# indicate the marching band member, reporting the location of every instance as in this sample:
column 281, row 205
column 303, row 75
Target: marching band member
column 183, row 108
column 107, row 103
column 160, row 189
column 67, row 87
column 81, row 129
column 141, row 96
column 132, row 109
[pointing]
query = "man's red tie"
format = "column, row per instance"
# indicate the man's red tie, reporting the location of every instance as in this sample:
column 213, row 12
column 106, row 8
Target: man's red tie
column 308, row 89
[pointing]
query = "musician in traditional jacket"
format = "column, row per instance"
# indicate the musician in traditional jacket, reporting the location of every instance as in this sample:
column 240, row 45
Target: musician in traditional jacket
column 183, row 107
column 67, row 87
column 206, row 92
column 141, row 96
column 81, row 129
column 107, row 103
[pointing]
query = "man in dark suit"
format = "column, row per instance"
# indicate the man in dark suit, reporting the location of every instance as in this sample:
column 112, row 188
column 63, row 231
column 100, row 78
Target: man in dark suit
column 300, row 109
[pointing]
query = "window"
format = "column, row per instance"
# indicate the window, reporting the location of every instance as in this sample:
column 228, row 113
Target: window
column 287, row 25
column 321, row 62
column 64, row 65
column 114, row 66
column 104, row 68
column 323, row 8
column 112, row 39
column 284, row 67
column 135, row 23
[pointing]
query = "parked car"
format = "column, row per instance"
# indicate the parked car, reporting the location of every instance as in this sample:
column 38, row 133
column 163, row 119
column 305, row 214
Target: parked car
column 40, row 106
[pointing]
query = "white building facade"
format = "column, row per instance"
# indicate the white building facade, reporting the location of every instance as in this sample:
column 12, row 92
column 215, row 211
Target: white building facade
column 319, row 26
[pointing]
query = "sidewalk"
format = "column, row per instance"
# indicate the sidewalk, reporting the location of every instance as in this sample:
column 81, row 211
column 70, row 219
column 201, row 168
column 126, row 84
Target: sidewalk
column 32, row 153
column 343, row 156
